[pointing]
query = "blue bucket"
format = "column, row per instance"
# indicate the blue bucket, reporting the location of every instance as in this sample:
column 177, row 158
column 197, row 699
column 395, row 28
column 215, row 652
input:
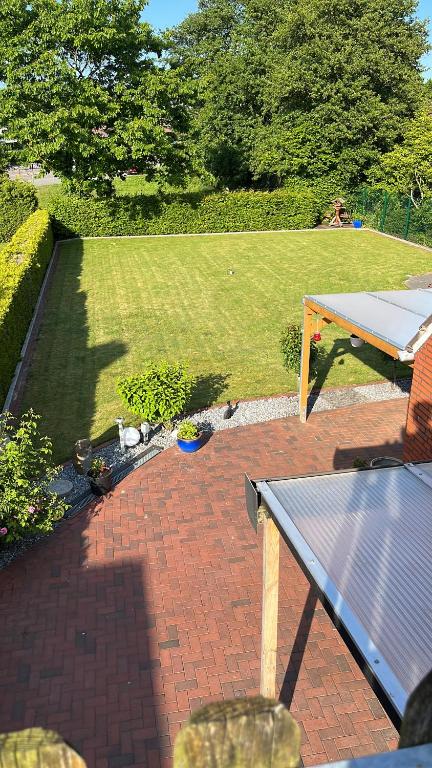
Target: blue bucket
column 357, row 224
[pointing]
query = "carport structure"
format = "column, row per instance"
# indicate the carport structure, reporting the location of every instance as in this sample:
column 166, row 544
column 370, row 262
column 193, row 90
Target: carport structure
column 397, row 322
column 362, row 538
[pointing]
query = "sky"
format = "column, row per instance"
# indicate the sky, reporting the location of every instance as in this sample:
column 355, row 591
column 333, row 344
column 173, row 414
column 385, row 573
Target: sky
column 167, row 13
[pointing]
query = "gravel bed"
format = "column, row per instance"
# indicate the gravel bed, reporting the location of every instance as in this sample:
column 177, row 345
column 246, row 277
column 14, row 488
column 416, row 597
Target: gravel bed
column 212, row 420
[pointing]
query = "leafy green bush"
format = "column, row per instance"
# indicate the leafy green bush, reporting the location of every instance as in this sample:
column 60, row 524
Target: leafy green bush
column 291, row 346
column 159, row 393
column 26, row 469
column 17, row 201
column 23, row 262
column 184, row 213
column 187, row 430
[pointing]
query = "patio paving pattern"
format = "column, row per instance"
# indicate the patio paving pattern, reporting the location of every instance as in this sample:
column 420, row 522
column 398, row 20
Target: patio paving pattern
column 148, row 604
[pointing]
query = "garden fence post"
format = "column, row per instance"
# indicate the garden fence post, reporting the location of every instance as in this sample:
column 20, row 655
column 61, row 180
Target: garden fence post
column 407, row 219
column 384, row 211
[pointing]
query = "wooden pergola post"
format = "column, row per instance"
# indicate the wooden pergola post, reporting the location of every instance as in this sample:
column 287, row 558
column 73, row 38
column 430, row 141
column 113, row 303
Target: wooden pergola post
column 270, row 603
column 305, row 357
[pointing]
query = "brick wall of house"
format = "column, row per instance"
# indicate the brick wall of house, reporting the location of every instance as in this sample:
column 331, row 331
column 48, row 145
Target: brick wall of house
column 418, row 440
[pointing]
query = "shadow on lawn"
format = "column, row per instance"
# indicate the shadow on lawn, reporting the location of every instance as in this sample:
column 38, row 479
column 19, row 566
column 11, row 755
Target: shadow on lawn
column 208, row 389
column 74, row 365
column 80, row 640
column 368, row 355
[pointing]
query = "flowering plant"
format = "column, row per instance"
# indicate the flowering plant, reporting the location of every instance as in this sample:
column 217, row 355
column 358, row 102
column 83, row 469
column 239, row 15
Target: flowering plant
column 97, row 467
column 26, row 470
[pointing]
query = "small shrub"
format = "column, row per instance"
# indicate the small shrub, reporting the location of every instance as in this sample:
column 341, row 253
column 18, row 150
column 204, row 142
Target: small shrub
column 187, row 212
column 23, row 262
column 159, row 393
column 291, row 346
column 17, row 201
column 359, row 463
column 187, row 430
column 26, row 469
column 97, row 467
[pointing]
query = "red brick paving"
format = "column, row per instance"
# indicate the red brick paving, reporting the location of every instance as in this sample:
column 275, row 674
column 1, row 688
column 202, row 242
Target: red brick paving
column 147, row 606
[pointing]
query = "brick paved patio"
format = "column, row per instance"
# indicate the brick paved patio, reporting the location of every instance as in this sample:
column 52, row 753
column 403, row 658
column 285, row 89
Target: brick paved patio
column 148, row 605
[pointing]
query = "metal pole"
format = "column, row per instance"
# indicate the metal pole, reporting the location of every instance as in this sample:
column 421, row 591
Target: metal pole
column 384, row 211
column 407, row 219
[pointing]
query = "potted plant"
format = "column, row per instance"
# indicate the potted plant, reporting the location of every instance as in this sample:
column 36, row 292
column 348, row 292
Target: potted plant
column 188, row 437
column 100, row 475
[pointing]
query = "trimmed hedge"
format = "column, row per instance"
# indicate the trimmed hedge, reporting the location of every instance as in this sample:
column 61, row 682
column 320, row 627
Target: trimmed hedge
column 23, row 262
column 17, row 201
column 184, row 213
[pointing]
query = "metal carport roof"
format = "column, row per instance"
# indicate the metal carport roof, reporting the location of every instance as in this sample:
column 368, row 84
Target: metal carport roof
column 364, row 537
column 397, row 322
column 401, row 318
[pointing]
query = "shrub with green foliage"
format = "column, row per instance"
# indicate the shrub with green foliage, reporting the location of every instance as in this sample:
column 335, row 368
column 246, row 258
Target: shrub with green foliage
column 159, row 393
column 187, row 430
column 291, row 346
column 17, row 201
column 184, row 213
column 26, row 504
column 23, row 262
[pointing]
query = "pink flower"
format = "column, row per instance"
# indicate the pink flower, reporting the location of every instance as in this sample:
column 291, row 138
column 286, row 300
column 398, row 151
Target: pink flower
column 3, row 531
column 32, row 509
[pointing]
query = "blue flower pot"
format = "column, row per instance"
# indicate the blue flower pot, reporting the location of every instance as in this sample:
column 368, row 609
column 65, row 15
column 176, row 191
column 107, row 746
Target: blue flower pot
column 357, row 224
column 189, row 446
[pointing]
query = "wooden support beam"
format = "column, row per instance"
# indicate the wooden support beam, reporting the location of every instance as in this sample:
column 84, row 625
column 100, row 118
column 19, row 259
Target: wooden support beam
column 305, row 358
column 269, row 608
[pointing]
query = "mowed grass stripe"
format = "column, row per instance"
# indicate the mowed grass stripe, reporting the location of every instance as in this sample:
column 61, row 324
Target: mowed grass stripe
column 116, row 304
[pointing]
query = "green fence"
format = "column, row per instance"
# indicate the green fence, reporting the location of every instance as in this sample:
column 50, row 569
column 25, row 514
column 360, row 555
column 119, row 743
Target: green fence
column 394, row 214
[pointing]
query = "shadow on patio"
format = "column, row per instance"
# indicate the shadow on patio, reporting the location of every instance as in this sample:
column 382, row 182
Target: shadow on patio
column 74, row 641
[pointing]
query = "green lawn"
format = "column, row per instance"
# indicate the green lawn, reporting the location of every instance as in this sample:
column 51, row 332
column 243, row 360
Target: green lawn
column 132, row 185
column 117, row 303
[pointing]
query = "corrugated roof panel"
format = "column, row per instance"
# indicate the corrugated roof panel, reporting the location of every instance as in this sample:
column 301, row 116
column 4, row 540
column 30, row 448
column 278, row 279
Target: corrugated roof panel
column 393, row 316
column 371, row 532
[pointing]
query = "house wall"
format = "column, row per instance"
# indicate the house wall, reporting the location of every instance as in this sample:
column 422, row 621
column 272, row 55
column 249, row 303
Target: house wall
column 418, row 440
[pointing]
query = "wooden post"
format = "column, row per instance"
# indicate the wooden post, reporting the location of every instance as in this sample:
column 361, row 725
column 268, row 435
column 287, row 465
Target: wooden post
column 269, row 608
column 304, row 367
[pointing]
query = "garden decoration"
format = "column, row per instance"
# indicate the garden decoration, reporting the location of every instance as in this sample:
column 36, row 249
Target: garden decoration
column 188, row 437
column 82, row 456
column 120, row 423
column 100, row 475
column 229, row 410
column 340, row 213
column 145, row 431
column 131, row 437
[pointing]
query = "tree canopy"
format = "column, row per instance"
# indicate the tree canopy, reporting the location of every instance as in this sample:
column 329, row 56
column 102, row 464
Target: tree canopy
column 289, row 89
column 85, row 93
column 408, row 167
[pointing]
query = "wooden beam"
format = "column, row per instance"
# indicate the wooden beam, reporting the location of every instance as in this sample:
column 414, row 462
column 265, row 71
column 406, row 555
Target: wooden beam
column 332, row 317
column 269, row 608
column 305, row 357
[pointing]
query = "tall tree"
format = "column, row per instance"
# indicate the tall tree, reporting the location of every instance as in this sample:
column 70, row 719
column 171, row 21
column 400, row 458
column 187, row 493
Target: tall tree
column 408, row 167
column 342, row 80
column 289, row 89
column 85, row 93
column 222, row 51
